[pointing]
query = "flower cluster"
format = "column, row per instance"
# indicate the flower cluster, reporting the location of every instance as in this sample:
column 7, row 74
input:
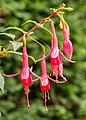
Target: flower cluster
column 56, row 60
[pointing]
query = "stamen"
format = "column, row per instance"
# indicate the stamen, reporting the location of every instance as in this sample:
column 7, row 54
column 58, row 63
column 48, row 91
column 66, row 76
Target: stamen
column 53, row 73
column 45, row 101
column 48, row 95
column 27, row 99
column 46, row 109
column 50, row 74
column 43, row 96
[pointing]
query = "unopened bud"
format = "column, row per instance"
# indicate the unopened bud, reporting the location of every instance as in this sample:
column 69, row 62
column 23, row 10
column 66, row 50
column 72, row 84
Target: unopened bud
column 61, row 25
column 63, row 5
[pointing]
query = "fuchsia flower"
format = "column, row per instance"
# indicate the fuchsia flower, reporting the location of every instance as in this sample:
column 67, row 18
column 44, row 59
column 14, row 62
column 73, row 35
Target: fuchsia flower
column 25, row 74
column 44, row 82
column 56, row 56
column 56, row 66
column 45, row 85
column 67, row 45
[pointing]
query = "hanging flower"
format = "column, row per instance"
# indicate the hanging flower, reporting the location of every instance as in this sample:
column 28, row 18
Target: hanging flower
column 67, row 44
column 56, row 57
column 25, row 74
column 44, row 82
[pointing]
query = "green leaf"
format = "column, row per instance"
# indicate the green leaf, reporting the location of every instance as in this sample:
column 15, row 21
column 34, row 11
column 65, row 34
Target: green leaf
column 16, row 45
column 8, row 34
column 16, row 28
column 1, row 82
column 19, row 53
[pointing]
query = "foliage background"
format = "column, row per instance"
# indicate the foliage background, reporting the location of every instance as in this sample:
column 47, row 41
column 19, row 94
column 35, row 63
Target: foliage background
column 68, row 101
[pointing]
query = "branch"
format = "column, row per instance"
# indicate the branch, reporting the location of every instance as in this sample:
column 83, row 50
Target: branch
column 33, row 28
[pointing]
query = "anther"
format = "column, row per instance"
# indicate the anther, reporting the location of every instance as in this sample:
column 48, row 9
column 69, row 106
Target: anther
column 28, row 102
column 48, row 95
column 46, row 109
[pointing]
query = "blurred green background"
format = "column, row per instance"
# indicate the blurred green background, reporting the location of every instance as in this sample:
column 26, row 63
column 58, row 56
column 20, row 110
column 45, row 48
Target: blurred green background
column 68, row 101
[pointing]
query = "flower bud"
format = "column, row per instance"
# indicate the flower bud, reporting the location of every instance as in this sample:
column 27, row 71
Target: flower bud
column 67, row 44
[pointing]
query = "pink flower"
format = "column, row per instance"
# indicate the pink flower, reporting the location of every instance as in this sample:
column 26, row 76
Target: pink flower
column 67, row 45
column 44, row 82
column 55, row 57
column 25, row 74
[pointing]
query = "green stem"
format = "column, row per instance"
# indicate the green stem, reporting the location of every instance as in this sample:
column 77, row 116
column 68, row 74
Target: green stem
column 43, row 48
column 24, row 40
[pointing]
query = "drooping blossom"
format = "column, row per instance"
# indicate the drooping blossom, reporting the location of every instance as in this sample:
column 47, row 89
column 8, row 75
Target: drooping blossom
column 25, row 74
column 67, row 44
column 56, row 57
column 44, row 82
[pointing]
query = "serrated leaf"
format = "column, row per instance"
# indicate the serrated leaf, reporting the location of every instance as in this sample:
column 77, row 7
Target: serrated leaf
column 16, row 45
column 2, row 82
column 19, row 53
column 8, row 34
column 16, row 28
